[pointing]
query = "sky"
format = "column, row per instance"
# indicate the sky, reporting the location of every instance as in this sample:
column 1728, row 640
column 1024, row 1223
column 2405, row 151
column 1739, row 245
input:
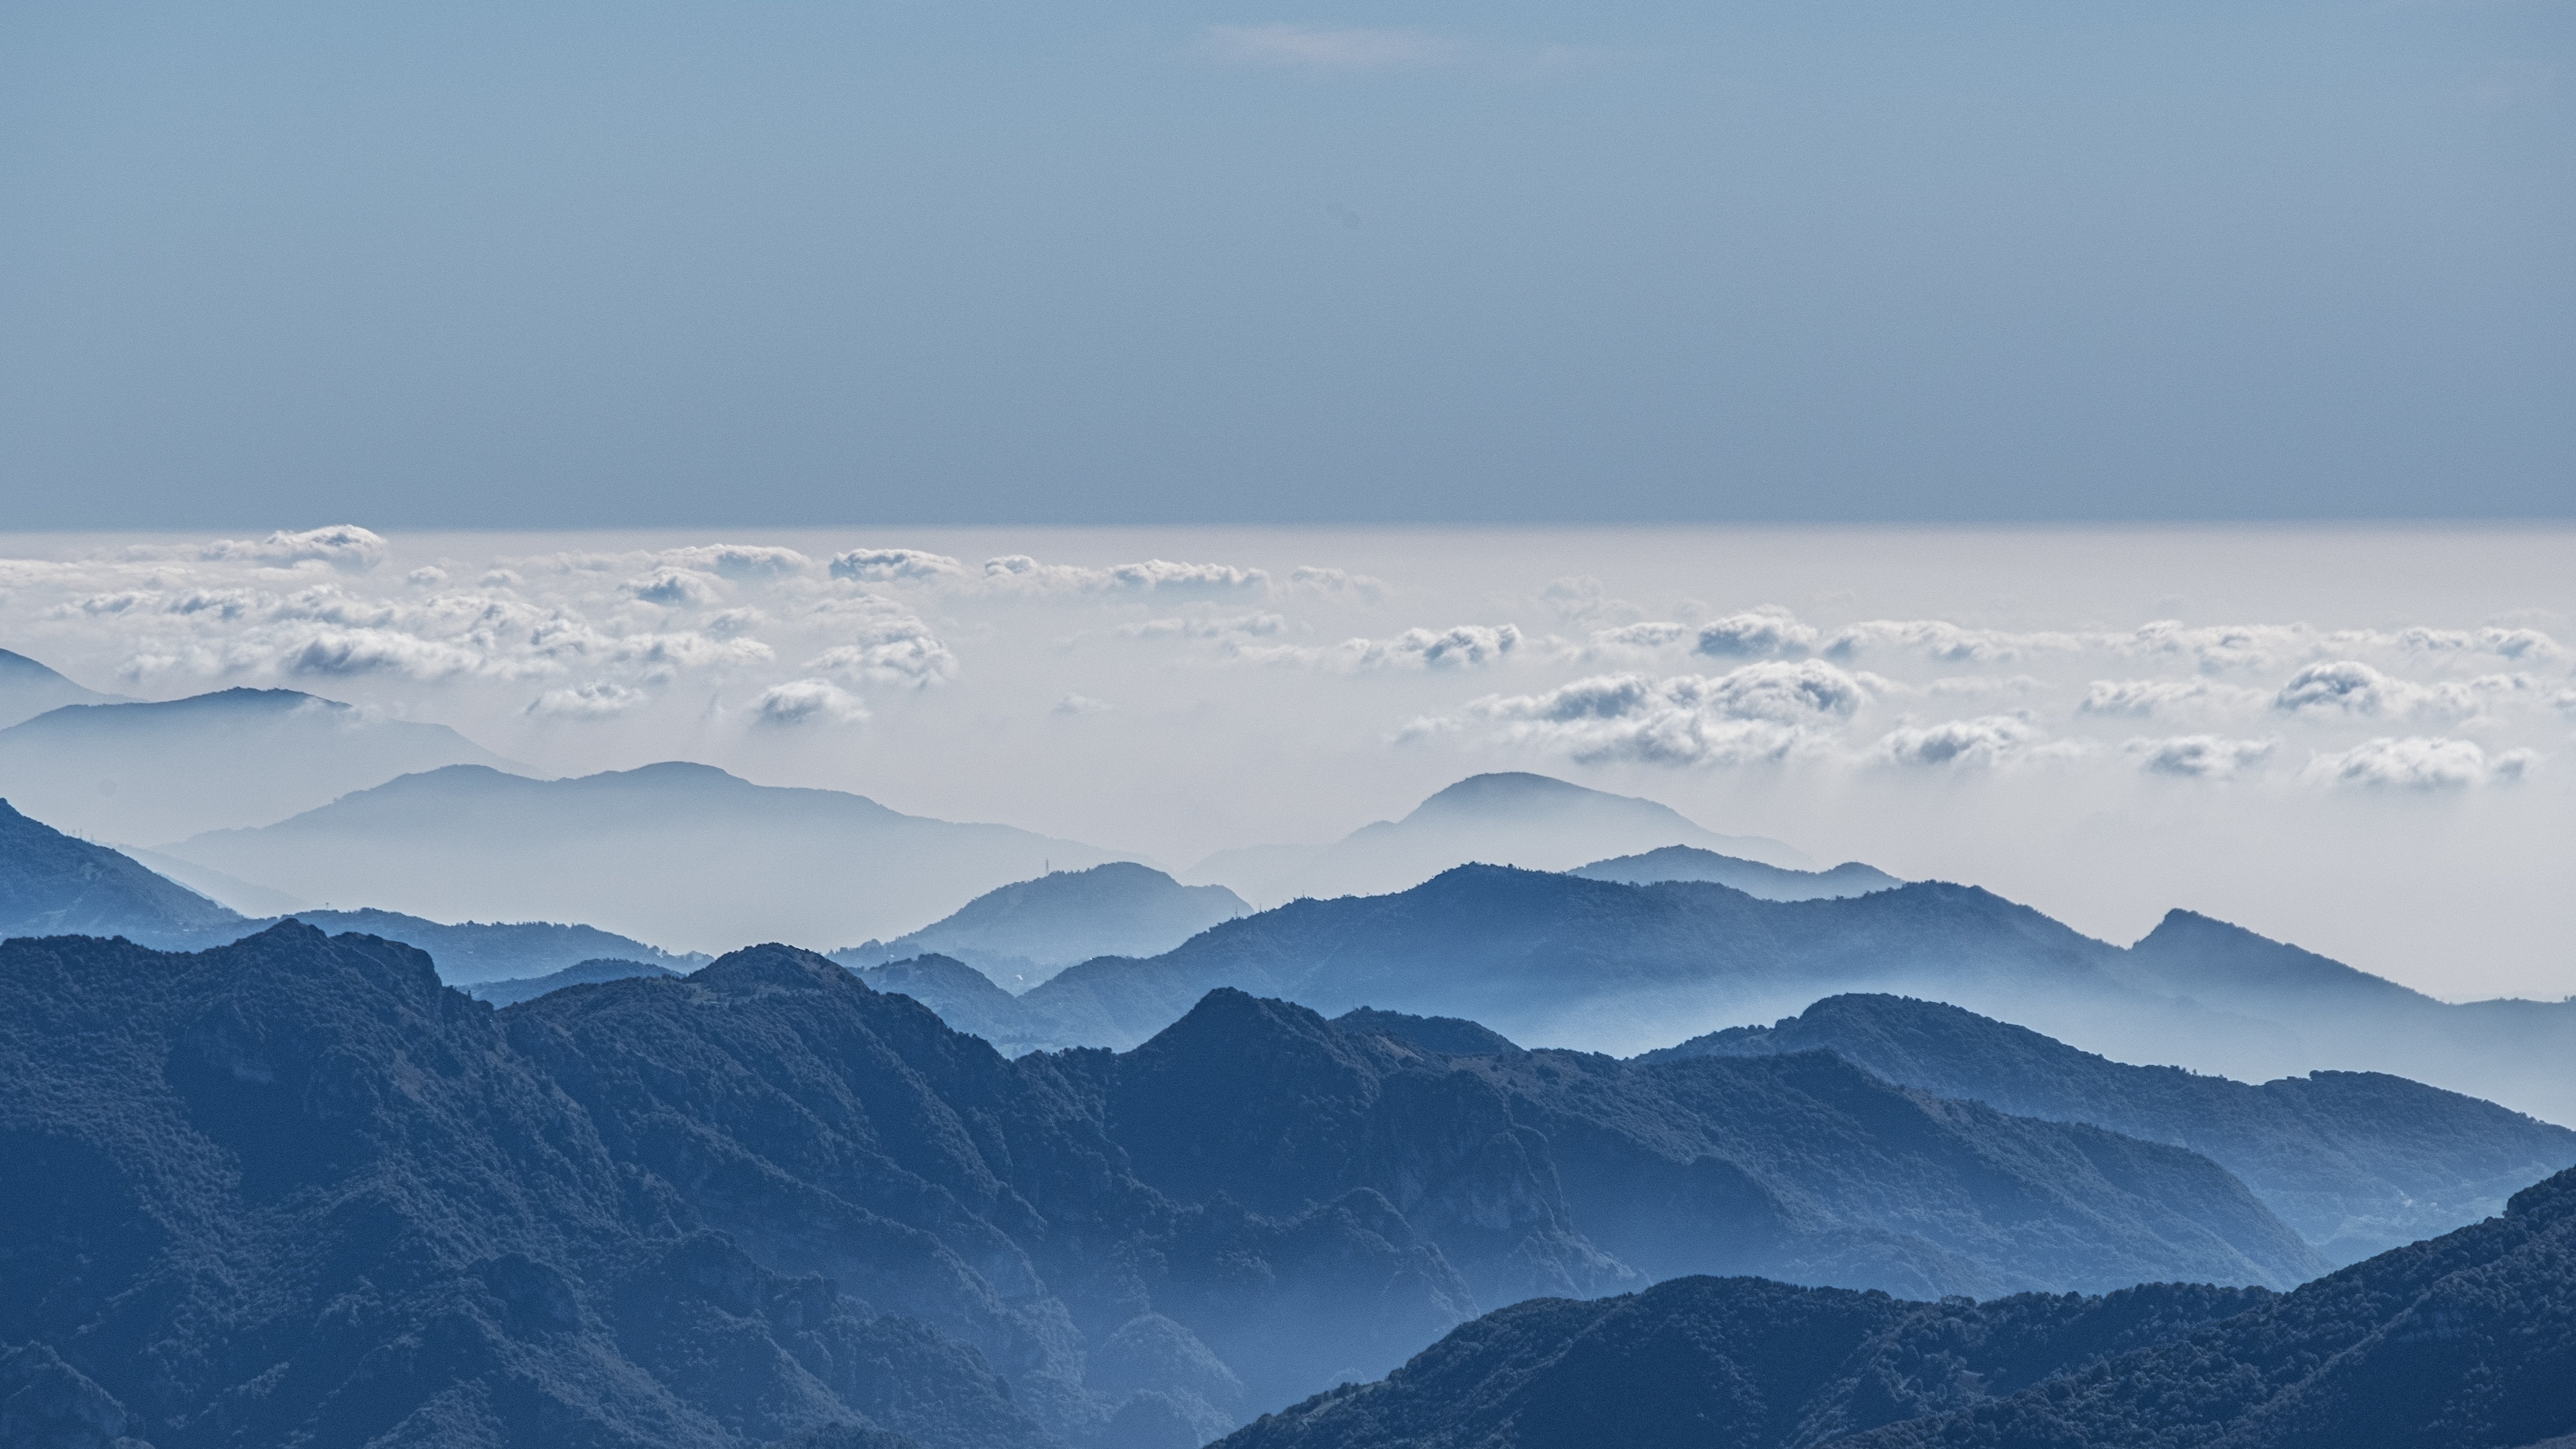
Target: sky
column 2355, row 737
column 576, row 265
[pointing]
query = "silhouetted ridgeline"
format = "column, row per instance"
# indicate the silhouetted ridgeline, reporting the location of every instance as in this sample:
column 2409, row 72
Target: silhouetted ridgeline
column 1024, row 932
column 1770, row 882
column 2463, row 1342
column 293, row 1190
column 2358, row 1162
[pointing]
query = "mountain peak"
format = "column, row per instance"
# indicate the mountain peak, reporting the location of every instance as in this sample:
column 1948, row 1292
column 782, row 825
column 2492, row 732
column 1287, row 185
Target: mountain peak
column 1521, row 790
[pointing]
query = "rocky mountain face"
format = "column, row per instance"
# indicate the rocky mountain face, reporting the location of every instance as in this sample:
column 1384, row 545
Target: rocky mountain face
column 2460, row 1342
column 1754, row 878
column 52, row 884
column 293, row 1190
column 2358, row 1162
column 1024, row 932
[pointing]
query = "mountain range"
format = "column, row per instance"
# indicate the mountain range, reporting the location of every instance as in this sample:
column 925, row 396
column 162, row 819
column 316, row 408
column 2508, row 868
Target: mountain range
column 2461, row 1342
column 294, row 1190
column 28, row 689
column 146, row 773
column 52, row 884
column 683, row 854
column 1769, row 882
column 581, row 973
column 2357, row 1162
column 1024, row 932
column 1499, row 819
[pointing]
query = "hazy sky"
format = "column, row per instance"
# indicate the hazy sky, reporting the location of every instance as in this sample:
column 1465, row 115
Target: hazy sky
column 481, row 265
column 2356, row 739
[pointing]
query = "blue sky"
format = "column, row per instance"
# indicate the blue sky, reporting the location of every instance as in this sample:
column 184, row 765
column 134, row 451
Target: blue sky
column 650, row 265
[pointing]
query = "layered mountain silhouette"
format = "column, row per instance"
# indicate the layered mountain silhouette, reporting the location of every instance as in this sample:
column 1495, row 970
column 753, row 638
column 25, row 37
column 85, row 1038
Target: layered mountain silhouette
column 1499, row 819
column 294, row 1190
column 1769, row 882
column 1028, row 930
column 2357, row 1162
column 52, row 884
column 28, row 689
column 146, row 773
column 685, row 855
column 581, row 973
column 1555, row 958
column 2462, row 1342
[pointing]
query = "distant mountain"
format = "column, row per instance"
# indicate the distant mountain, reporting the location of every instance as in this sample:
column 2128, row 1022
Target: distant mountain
column 471, row 953
column 52, row 884
column 1446, row 1035
column 965, row 998
column 2357, row 1162
column 28, row 689
column 583, row 973
column 683, row 854
column 1555, row 958
column 149, row 773
column 765, row 1201
column 1501, row 819
column 1770, row 882
column 1028, row 930
column 2462, row 1342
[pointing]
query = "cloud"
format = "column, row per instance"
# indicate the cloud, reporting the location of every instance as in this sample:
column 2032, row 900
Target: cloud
column 895, row 565
column 596, row 700
column 808, row 701
column 1461, row 646
column 2419, row 764
column 343, row 546
column 2144, row 698
column 676, row 589
column 2204, row 757
column 1237, row 626
column 1581, row 598
column 1761, row 712
column 1756, row 634
column 903, row 652
column 1076, row 705
column 1315, row 50
column 737, row 561
column 1151, row 576
column 2351, row 687
column 1985, row 741
column 1337, row 582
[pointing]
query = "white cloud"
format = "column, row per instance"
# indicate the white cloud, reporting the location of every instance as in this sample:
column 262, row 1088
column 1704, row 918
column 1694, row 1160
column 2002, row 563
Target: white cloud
column 1151, row 576
column 596, row 700
column 343, row 546
column 1760, row 712
column 1337, row 583
column 2206, row 757
column 1581, row 598
column 1077, row 705
column 1461, row 646
column 895, row 565
column 2419, row 764
column 2351, row 687
column 1236, row 626
column 808, row 701
column 1985, row 741
column 737, row 561
column 1756, row 634
column 2145, row 698
column 1347, row 50
column 676, row 589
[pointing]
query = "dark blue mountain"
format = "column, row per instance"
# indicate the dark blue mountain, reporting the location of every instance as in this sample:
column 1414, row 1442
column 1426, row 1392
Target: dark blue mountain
column 52, row 884
column 2461, row 1342
column 1754, row 878
column 580, row 973
column 293, row 1190
column 2358, row 1162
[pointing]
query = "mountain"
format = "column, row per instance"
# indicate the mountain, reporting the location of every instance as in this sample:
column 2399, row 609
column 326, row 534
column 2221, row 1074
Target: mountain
column 683, row 854
column 2461, row 1342
column 28, row 689
column 472, row 953
column 148, row 773
column 54, row 885
column 1770, row 882
column 583, row 973
column 1499, row 819
column 1555, row 958
column 2357, row 1162
column 1028, row 930
column 293, row 1190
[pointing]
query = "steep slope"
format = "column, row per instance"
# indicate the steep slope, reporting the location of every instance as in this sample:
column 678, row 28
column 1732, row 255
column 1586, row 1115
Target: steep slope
column 1028, row 930
column 581, row 973
column 28, row 689
column 964, row 997
column 52, row 884
column 1499, row 819
column 2358, row 1163
column 722, row 1209
column 1728, row 1363
column 147, row 773
column 1769, row 882
column 682, row 854
column 2460, row 1342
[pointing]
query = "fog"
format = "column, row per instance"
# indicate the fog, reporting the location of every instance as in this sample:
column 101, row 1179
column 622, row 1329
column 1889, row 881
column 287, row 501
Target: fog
column 2355, row 739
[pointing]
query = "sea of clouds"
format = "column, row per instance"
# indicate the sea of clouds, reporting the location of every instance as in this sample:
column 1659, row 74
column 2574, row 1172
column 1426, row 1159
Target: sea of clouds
column 2359, row 753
